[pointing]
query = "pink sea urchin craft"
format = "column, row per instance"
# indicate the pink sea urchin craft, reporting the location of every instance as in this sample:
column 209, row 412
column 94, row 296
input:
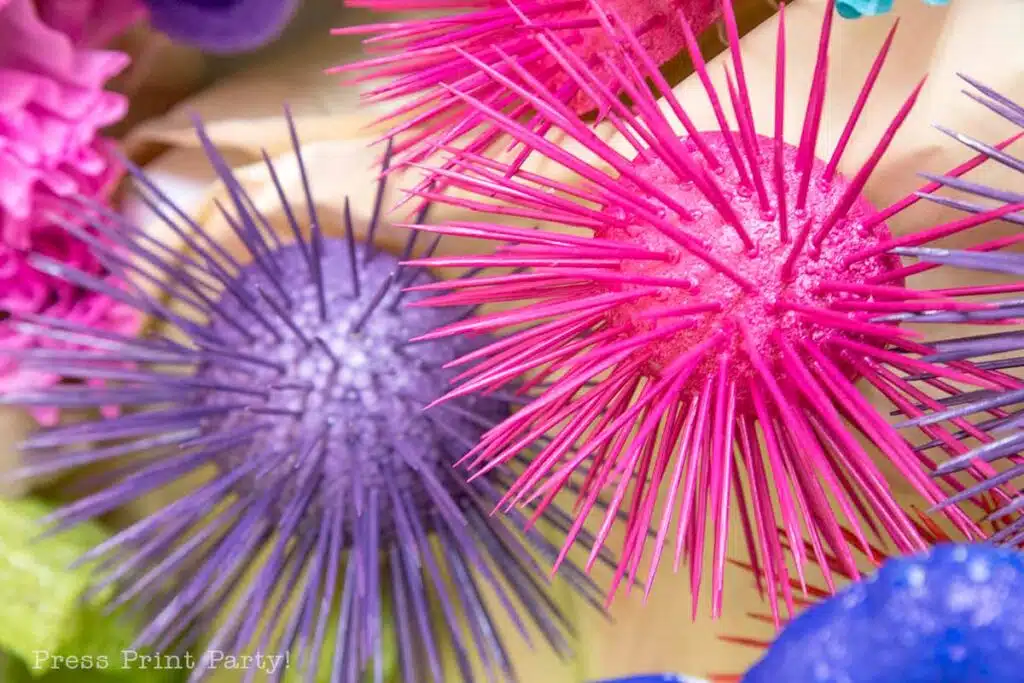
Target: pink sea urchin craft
column 694, row 320
column 415, row 55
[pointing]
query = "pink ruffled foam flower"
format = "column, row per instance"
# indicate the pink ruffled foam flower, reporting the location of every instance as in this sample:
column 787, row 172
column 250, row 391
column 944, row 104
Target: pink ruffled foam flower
column 90, row 23
column 53, row 106
column 32, row 296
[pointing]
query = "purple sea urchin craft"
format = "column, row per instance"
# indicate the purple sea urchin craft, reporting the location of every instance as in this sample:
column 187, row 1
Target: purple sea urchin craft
column 291, row 379
column 952, row 615
column 222, row 26
column 997, row 416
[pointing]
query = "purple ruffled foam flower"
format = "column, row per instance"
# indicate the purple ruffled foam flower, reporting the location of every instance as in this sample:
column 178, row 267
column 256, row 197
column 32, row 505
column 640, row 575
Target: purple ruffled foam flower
column 992, row 418
column 951, row 615
column 52, row 107
column 332, row 497
column 222, row 26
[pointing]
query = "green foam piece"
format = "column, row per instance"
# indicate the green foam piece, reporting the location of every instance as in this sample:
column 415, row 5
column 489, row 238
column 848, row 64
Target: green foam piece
column 46, row 627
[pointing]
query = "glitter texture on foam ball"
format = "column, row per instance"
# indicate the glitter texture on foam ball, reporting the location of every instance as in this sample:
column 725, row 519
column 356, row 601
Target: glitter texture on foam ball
column 784, row 281
column 319, row 506
column 363, row 405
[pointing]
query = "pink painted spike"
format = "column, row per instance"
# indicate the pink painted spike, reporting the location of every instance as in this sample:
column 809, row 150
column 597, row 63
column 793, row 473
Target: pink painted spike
column 799, row 432
column 862, row 100
column 690, row 488
column 700, row 66
column 722, row 478
column 861, row 179
column 669, row 386
column 684, row 443
column 748, row 141
column 668, row 442
column 812, row 121
column 780, row 112
column 698, row 530
column 914, row 197
column 939, row 232
column 412, row 55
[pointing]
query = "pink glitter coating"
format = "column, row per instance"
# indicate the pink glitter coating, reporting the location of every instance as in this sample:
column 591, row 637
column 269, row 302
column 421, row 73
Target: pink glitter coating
column 663, row 39
column 763, row 266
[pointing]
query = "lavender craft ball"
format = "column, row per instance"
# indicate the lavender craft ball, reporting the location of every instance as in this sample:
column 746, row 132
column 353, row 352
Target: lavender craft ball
column 222, row 26
column 333, row 510
column 953, row 615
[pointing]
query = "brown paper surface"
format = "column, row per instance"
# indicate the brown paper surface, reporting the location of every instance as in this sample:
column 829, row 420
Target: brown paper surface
column 979, row 37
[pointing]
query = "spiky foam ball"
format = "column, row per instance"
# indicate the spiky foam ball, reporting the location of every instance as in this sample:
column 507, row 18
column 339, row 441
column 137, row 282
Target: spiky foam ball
column 952, row 615
column 420, row 57
column 988, row 420
column 332, row 504
column 695, row 317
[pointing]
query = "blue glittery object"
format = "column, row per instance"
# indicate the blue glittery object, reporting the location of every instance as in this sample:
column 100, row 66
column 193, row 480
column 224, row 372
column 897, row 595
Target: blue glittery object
column 654, row 678
column 953, row 615
column 854, row 9
column 222, row 26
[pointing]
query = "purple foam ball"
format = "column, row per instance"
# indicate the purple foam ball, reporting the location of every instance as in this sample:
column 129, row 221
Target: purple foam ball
column 333, row 502
column 222, row 26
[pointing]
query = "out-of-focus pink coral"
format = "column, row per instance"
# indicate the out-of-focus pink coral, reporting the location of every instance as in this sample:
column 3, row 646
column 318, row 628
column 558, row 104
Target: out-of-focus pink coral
column 52, row 104
column 90, row 23
column 52, row 107
column 27, row 291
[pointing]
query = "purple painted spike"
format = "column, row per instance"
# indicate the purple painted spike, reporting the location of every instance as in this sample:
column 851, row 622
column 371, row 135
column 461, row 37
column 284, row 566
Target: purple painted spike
column 993, row 431
column 305, row 397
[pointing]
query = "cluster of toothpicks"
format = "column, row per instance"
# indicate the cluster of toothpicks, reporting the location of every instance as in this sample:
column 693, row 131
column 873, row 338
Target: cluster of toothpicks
column 323, row 516
column 693, row 313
